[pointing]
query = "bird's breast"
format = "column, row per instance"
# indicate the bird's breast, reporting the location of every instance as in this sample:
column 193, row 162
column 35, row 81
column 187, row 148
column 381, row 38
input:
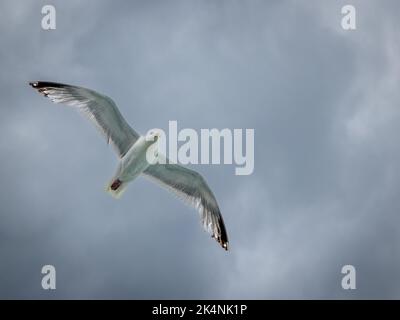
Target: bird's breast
column 135, row 161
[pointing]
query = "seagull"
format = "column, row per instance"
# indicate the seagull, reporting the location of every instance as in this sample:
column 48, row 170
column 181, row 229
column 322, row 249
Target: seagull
column 131, row 149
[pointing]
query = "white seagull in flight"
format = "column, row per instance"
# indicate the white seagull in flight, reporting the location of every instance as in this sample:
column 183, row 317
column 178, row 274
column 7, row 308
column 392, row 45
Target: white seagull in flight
column 131, row 149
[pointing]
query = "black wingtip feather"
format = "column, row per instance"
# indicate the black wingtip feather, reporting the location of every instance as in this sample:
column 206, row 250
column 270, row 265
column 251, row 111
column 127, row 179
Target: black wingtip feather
column 223, row 239
column 46, row 84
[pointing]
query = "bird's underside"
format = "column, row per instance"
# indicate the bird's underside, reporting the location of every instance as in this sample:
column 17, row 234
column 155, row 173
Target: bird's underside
column 187, row 184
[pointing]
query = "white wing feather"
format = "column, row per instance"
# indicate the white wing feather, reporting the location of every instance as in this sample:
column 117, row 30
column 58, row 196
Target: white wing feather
column 98, row 108
column 190, row 186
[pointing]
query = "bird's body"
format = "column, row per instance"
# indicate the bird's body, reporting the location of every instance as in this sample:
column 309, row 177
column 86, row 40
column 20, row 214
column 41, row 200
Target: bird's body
column 133, row 151
column 132, row 164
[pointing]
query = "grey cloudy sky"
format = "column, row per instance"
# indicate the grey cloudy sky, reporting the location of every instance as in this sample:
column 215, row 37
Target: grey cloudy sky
column 324, row 104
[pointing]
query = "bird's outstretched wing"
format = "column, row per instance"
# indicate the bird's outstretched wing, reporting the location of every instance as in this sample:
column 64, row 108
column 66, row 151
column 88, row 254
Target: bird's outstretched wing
column 192, row 188
column 100, row 109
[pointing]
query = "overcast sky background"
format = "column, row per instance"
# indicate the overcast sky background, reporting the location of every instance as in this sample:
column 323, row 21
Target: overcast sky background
column 324, row 104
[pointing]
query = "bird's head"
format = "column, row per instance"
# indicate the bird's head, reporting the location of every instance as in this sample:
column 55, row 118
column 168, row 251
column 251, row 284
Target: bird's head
column 153, row 135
